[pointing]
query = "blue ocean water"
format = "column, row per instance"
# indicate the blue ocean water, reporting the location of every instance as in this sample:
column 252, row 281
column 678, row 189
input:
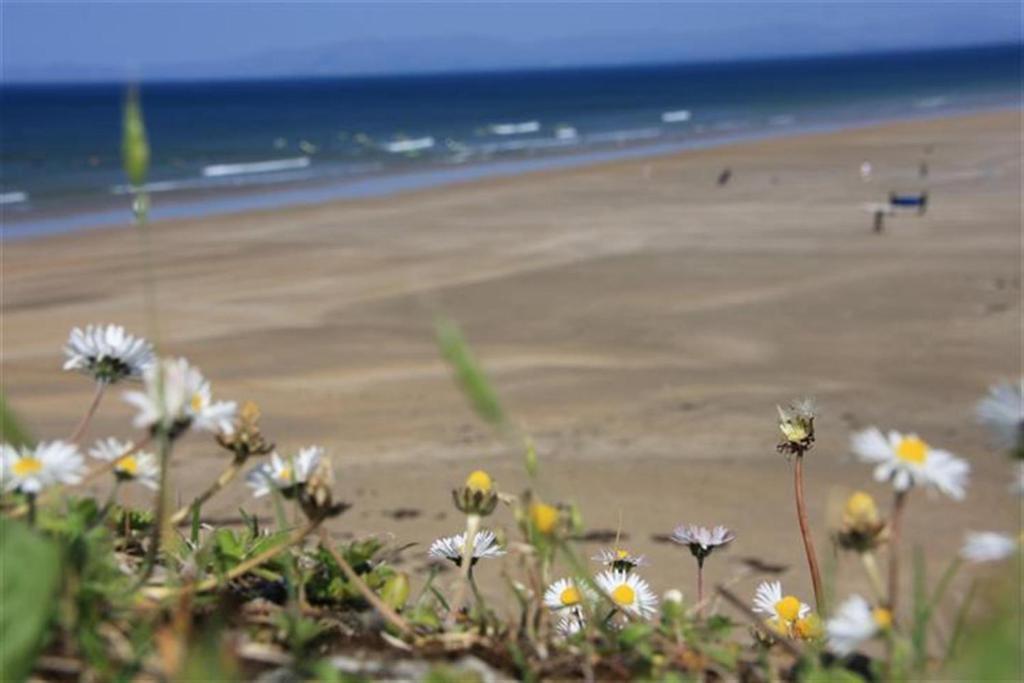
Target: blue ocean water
column 226, row 146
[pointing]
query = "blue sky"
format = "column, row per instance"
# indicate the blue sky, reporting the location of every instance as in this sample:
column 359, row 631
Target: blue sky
column 111, row 40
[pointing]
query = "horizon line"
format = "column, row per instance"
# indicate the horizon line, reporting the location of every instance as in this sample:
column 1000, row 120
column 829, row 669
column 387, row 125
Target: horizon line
column 6, row 82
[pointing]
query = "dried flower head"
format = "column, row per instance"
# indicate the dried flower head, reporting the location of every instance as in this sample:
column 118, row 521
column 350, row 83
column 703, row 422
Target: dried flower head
column 316, row 497
column 246, row 439
column 796, row 422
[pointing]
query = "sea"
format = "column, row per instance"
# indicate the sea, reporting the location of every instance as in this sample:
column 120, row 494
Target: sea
column 229, row 146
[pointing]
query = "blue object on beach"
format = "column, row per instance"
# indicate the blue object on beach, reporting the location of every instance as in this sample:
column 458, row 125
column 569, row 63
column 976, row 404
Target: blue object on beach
column 908, row 200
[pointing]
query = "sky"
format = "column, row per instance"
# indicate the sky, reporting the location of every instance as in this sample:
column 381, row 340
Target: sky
column 83, row 41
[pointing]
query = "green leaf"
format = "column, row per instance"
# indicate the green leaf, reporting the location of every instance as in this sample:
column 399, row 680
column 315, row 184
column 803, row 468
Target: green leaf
column 30, row 574
column 11, row 429
column 468, row 374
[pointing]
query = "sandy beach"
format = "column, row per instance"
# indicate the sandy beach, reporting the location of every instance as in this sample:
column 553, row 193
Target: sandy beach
column 638, row 321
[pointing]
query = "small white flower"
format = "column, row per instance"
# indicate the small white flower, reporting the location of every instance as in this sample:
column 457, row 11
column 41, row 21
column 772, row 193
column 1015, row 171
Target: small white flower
column 107, row 353
column 1002, row 411
column 450, row 547
column 908, row 461
column 619, row 559
column 628, row 591
column 701, row 540
column 781, row 612
column 673, row 595
column 988, row 546
column 567, row 594
column 570, row 624
column 30, row 470
column 140, row 466
column 177, row 397
column 284, row 473
column 854, row 623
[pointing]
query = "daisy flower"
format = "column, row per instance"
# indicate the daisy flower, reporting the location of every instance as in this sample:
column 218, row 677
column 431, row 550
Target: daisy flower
column 566, row 594
column 854, row 623
column 450, row 547
column 140, row 466
column 1002, row 411
column 988, row 546
column 908, row 461
column 30, row 470
column 628, row 591
column 781, row 612
column 570, row 624
column 701, row 540
column 107, row 353
column 619, row 559
column 177, row 397
column 284, row 474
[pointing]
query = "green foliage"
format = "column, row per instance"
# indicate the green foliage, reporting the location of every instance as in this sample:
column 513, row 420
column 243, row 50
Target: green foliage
column 328, row 584
column 468, row 374
column 30, row 570
column 11, row 429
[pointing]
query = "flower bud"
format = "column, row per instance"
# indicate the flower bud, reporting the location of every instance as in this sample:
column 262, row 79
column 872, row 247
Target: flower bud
column 862, row 528
column 544, row 518
column 477, row 496
column 134, row 145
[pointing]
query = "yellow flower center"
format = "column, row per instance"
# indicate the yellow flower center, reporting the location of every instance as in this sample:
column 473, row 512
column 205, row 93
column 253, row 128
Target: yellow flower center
column 809, row 627
column 285, row 474
column 913, row 450
column 544, row 517
column 570, row 596
column 26, row 466
column 788, row 608
column 479, row 481
column 129, row 465
column 883, row 617
column 621, row 554
column 197, row 402
column 624, row 595
column 861, row 509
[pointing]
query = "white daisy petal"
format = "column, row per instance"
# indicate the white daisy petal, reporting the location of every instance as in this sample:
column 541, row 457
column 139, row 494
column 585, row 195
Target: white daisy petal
column 906, row 461
column 485, row 545
column 629, row 592
column 988, row 546
column 30, row 470
column 853, row 624
column 107, row 353
column 176, row 396
column 567, row 594
column 1002, row 411
column 140, row 466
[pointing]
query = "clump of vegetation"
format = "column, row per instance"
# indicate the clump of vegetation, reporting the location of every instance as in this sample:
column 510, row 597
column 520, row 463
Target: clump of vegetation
column 95, row 590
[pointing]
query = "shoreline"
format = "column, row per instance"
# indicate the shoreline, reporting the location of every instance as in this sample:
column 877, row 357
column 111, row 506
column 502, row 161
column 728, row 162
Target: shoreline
column 322, row 191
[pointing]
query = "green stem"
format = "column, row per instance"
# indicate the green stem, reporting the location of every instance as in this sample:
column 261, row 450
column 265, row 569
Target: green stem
column 159, row 521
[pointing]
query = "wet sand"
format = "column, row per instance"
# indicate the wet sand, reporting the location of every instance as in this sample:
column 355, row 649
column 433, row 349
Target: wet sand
column 638, row 321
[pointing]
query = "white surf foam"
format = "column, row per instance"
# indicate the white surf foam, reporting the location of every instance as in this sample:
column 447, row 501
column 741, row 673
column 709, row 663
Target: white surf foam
column 219, row 170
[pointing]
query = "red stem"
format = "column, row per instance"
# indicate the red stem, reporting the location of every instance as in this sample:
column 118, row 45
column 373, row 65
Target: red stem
column 805, row 532
column 84, row 422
